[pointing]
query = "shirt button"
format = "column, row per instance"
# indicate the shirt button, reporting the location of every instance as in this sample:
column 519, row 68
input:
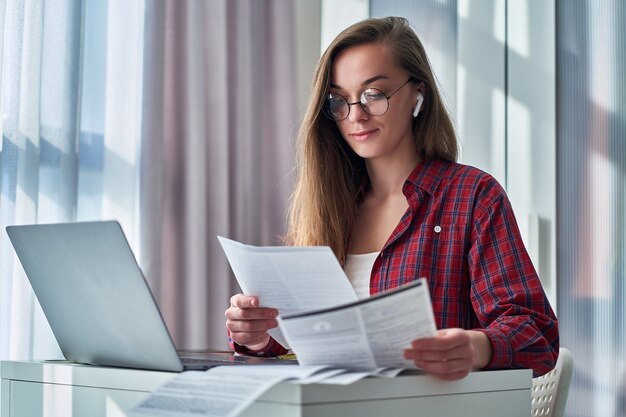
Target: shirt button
column 437, row 229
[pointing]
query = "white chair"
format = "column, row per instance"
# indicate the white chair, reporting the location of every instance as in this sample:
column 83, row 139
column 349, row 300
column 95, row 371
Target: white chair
column 549, row 392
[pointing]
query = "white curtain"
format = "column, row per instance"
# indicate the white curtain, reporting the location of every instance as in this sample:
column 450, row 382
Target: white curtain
column 219, row 121
column 38, row 162
column 70, row 106
column 177, row 118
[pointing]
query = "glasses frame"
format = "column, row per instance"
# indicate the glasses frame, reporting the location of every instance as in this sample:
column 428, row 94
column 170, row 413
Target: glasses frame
column 361, row 102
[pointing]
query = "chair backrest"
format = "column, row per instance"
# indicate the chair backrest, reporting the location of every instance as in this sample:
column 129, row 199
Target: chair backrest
column 549, row 392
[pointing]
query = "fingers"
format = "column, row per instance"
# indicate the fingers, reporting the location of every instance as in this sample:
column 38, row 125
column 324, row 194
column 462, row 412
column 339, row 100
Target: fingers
column 247, row 322
column 243, row 301
column 245, row 307
column 251, row 326
column 443, row 354
column 447, row 344
column 261, row 313
column 445, row 368
column 449, row 355
column 446, row 339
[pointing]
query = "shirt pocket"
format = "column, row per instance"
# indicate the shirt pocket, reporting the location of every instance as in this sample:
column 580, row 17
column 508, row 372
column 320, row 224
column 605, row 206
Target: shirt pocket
column 444, row 249
column 443, row 231
column 443, row 243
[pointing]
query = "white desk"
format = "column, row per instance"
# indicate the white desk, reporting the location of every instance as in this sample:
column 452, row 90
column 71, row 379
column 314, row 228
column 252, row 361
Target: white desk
column 54, row 389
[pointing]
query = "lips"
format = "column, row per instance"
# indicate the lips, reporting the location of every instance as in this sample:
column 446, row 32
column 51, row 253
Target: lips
column 362, row 134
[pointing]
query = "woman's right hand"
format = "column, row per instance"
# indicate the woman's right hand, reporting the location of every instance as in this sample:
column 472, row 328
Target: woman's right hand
column 248, row 323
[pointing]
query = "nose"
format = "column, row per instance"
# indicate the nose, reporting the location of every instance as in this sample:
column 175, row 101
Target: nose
column 357, row 112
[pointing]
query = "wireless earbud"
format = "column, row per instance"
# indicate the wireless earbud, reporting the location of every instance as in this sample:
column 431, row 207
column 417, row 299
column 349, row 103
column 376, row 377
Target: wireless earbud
column 418, row 104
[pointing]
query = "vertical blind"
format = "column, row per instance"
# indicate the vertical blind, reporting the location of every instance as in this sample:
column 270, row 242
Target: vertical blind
column 591, row 171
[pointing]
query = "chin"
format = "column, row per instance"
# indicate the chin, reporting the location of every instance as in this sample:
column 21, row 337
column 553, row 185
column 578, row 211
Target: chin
column 366, row 152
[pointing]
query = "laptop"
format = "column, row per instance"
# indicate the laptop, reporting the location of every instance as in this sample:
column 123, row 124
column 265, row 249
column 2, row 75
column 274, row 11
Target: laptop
column 97, row 301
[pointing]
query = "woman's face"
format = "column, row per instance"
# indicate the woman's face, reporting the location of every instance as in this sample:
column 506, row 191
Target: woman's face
column 375, row 137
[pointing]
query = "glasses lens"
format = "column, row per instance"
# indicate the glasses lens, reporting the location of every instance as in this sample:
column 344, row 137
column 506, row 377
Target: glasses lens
column 337, row 107
column 374, row 102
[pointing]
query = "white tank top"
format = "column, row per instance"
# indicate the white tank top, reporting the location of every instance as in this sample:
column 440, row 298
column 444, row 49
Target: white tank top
column 359, row 269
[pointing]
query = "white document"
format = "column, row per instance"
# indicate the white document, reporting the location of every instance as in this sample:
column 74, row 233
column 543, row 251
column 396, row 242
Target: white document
column 350, row 377
column 289, row 278
column 367, row 334
column 346, row 378
column 223, row 391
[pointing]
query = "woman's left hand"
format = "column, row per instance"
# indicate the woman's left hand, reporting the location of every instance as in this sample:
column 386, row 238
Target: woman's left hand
column 452, row 353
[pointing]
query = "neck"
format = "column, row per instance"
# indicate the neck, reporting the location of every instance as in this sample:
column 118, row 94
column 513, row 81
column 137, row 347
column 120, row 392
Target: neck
column 387, row 176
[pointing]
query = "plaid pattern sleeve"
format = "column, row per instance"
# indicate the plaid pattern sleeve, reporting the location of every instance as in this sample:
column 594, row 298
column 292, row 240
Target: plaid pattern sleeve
column 506, row 293
column 460, row 233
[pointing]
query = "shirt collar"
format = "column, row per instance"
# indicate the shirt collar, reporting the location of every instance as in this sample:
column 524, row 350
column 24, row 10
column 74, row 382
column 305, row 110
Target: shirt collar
column 426, row 176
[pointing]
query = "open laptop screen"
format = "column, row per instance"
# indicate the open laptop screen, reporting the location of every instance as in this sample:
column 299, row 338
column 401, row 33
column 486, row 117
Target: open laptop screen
column 94, row 295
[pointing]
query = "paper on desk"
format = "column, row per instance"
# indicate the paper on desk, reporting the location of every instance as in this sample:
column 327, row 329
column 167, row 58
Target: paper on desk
column 366, row 334
column 320, row 376
column 350, row 377
column 346, row 378
column 223, row 391
column 289, row 278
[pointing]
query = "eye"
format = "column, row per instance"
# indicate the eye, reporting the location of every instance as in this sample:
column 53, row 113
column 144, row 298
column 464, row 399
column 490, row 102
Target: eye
column 372, row 94
column 335, row 100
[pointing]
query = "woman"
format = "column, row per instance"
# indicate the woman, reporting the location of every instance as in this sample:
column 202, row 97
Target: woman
column 378, row 182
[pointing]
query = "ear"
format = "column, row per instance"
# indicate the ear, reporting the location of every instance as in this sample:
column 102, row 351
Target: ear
column 418, row 104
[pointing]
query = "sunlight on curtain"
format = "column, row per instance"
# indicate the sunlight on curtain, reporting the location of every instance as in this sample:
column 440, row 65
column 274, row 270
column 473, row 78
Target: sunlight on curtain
column 188, row 127
column 38, row 161
column 56, row 166
column 436, row 24
column 531, row 131
column 122, row 110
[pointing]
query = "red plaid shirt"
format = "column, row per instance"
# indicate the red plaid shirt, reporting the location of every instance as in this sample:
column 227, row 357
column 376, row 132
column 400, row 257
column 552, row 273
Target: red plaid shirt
column 460, row 233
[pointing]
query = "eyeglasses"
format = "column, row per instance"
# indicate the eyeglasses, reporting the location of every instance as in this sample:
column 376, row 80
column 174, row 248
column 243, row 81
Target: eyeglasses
column 373, row 101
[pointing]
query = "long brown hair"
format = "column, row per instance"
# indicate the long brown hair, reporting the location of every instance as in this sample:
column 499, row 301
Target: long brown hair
column 330, row 176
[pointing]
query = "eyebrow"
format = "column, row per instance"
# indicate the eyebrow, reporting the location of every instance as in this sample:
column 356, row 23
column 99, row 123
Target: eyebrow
column 366, row 82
